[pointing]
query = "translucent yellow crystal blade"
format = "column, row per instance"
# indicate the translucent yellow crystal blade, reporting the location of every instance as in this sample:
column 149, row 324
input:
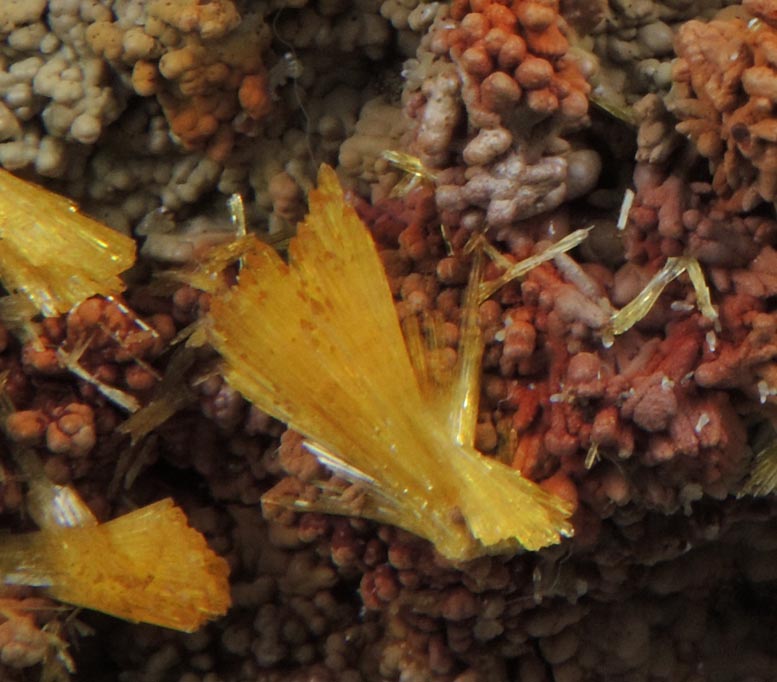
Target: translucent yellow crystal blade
column 146, row 566
column 317, row 344
column 521, row 268
column 640, row 305
column 465, row 392
column 51, row 253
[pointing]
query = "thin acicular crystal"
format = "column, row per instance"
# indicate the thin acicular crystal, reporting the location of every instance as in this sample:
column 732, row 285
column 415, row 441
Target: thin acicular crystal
column 409, row 164
column 703, row 299
column 465, row 390
column 623, row 215
column 640, row 305
column 416, row 172
column 521, row 268
column 71, row 361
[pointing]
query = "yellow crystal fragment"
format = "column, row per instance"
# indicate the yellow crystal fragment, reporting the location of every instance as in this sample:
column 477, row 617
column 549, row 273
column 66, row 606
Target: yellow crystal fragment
column 148, row 566
column 208, row 274
column 762, row 480
column 703, row 298
column 317, row 344
column 54, row 255
column 409, row 164
column 416, row 172
column 49, row 504
column 521, row 268
column 640, row 305
column 465, row 390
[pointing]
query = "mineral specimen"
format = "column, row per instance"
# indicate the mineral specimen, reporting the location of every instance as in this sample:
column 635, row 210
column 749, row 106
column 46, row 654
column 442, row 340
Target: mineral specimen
column 659, row 439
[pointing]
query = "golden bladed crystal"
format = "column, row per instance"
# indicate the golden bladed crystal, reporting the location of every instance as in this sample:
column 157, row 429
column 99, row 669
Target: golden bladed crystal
column 316, row 343
column 53, row 255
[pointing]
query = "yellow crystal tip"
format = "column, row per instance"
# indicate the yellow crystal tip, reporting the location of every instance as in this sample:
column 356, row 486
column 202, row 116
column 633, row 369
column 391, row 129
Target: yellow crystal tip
column 54, row 255
column 317, row 344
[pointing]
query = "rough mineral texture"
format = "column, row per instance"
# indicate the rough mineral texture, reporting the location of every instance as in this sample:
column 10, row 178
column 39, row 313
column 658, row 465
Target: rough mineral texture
column 723, row 95
column 506, row 78
column 530, row 119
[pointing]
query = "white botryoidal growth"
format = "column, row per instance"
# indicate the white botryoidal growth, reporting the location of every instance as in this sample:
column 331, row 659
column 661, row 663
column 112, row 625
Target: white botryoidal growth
column 440, row 117
column 379, row 128
column 180, row 243
column 53, row 91
column 511, row 188
column 81, row 101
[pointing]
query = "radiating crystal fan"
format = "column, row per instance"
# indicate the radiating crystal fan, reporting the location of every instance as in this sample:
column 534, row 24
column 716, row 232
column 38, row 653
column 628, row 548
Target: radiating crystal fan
column 317, row 344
